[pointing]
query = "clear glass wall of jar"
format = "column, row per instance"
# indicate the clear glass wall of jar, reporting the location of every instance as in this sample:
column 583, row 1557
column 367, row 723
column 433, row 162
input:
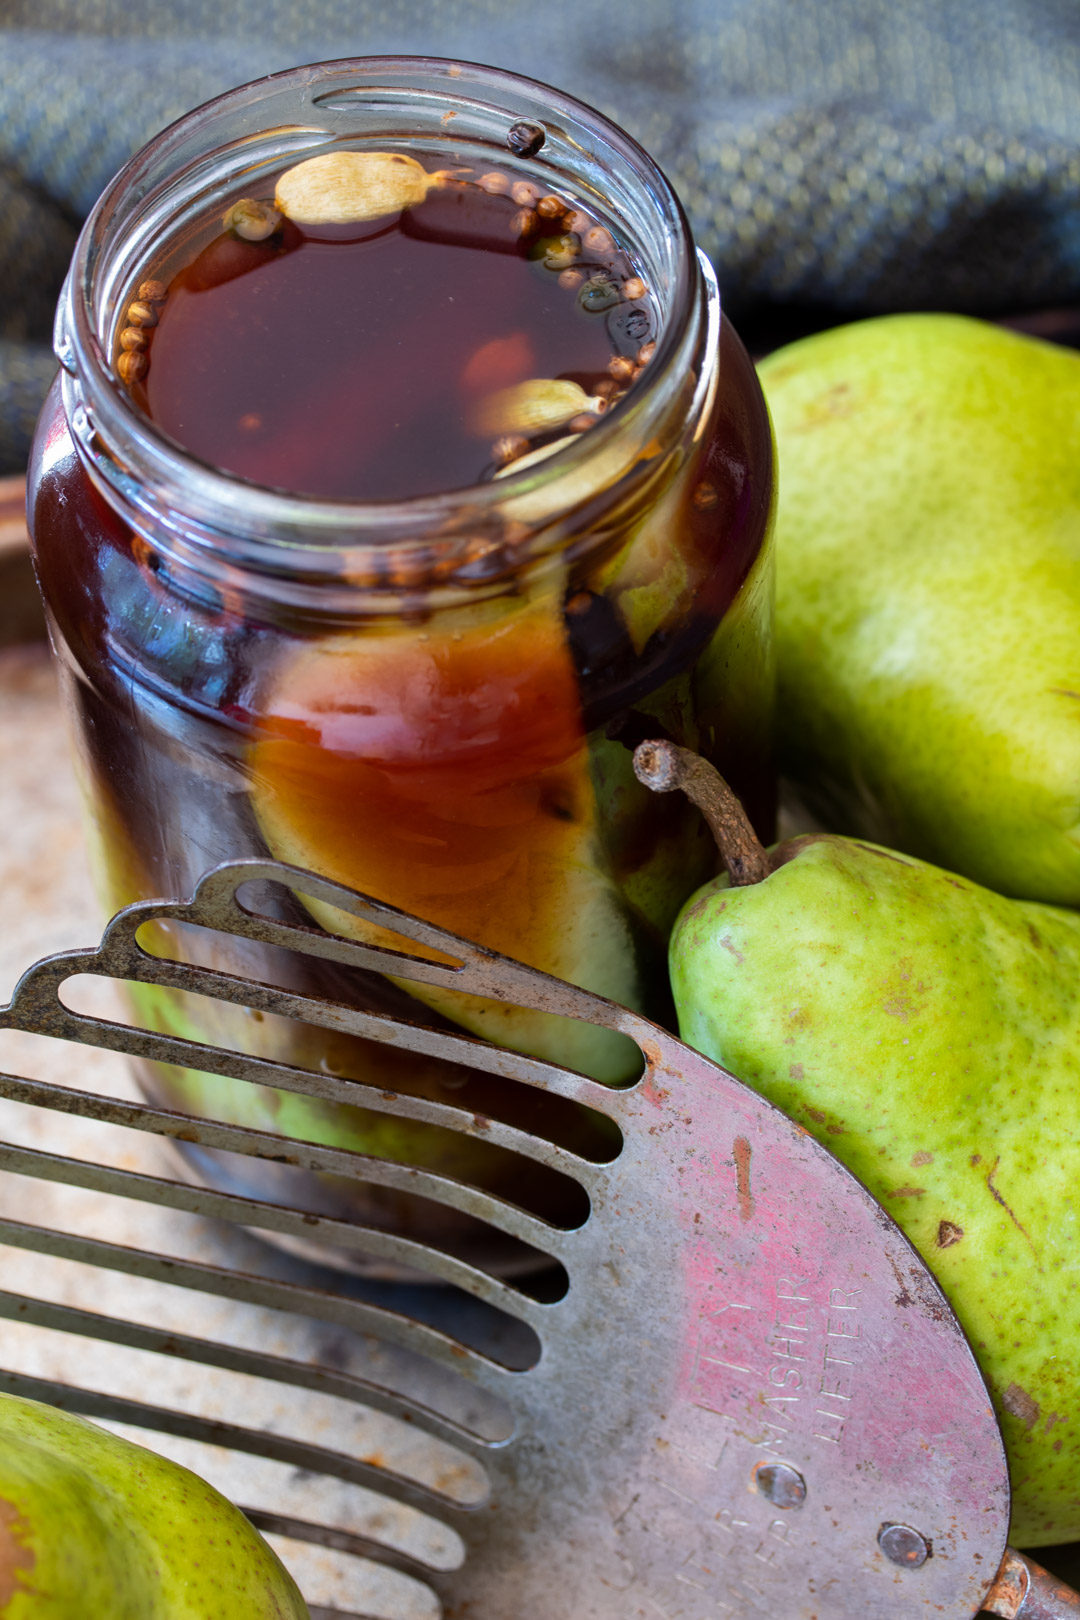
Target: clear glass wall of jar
column 434, row 700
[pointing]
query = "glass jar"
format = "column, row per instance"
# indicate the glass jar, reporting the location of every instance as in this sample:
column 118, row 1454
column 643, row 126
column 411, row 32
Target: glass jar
column 432, row 700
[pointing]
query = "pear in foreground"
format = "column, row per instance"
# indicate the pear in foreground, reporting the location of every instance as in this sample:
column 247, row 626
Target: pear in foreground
column 91, row 1524
column 927, row 1031
column 928, row 593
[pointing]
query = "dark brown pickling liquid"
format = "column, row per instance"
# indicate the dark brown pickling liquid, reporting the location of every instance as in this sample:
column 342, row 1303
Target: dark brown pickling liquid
column 349, row 361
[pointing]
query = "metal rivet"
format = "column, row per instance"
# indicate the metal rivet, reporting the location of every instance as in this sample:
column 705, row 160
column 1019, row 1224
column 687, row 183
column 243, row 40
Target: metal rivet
column 903, row 1545
column 781, row 1485
column 525, row 139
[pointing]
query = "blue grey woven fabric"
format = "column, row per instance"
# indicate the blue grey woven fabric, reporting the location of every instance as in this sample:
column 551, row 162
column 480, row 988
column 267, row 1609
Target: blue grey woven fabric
column 850, row 156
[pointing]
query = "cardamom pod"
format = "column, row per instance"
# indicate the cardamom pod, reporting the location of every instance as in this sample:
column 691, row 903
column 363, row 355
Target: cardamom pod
column 343, row 188
column 531, row 406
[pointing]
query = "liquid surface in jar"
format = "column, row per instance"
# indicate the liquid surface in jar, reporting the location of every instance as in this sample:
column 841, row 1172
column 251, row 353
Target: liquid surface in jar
column 407, row 354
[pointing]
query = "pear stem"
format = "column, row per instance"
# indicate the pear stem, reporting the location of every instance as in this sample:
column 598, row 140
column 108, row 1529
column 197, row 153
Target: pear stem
column 665, row 767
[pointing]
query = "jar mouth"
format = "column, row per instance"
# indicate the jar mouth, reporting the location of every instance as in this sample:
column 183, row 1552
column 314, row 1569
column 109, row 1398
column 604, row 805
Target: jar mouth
column 273, row 122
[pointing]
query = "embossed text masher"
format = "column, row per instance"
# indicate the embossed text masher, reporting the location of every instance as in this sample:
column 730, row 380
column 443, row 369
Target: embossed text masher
column 734, row 1390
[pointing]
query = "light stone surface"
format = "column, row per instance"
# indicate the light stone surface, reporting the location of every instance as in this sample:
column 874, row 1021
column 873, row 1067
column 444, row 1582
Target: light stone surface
column 46, row 905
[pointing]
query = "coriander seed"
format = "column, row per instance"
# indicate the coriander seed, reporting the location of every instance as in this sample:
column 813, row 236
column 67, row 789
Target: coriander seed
column 598, row 239
column 508, row 448
column 131, row 365
column 251, row 219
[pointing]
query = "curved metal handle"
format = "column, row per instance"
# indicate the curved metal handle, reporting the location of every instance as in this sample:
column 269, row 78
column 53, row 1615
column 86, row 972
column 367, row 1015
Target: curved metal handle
column 1023, row 1590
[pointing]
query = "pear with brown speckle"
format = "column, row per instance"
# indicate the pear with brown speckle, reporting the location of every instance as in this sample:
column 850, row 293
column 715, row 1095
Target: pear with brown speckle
column 928, row 593
column 927, row 1031
column 91, row 1524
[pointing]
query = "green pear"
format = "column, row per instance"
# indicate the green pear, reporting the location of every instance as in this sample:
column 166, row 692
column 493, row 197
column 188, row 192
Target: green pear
column 91, row 1524
column 928, row 593
column 927, row 1031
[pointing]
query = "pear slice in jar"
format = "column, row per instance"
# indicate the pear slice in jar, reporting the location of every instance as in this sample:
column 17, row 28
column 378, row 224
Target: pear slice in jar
column 448, row 773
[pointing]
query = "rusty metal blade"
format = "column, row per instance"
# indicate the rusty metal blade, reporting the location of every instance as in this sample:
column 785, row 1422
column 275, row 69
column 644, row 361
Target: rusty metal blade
column 749, row 1397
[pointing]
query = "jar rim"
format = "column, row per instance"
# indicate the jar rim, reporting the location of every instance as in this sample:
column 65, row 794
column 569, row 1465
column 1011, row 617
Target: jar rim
column 160, row 485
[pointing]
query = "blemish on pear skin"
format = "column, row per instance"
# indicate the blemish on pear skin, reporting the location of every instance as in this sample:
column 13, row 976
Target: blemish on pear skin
column 1016, row 1400
column 922, row 1157
column 903, row 1002
column 992, row 1190
column 906, row 1192
column 795, row 1072
column 15, row 1555
column 729, row 945
column 948, row 1233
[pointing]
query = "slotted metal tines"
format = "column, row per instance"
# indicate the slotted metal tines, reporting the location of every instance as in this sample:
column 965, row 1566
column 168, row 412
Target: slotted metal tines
column 602, row 1440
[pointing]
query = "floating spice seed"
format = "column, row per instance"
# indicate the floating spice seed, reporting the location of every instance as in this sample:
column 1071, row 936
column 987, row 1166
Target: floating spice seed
column 494, row 182
column 140, row 313
column 532, row 406
column 508, row 448
column 343, row 188
column 551, row 207
column 558, row 252
column 525, row 139
column 131, row 366
column 541, row 453
column 133, row 337
column 636, row 323
column 251, row 219
column 578, row 222
column 599, row 240
column 524, row 222
column 571, row 279
column 645, row 353
column 582, row 422
column 153, row 292
column 606, row 388
column 524, row 193
column 598, row 294
column 621, row 368
column 634, row 288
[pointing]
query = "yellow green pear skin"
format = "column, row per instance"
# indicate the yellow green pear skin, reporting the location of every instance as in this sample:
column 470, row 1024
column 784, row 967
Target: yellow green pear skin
column 927, row 1031
column 928, row 593
column 92, row 1525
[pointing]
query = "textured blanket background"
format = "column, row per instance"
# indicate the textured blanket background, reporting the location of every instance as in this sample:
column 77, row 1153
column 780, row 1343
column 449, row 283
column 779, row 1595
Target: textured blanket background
column 836, row 157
